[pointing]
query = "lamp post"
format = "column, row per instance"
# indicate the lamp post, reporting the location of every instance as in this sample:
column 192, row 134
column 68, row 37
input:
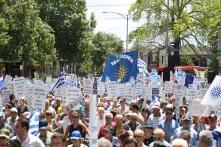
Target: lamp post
column 125, row 16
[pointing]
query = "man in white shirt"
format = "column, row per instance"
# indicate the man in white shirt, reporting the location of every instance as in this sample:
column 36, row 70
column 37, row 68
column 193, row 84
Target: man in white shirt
column 26, row 139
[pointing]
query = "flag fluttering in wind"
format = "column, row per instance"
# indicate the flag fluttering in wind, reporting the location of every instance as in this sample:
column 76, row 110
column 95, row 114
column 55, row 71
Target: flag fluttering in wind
column 121, row 68
column 59, row 82
column 34, row 122
column 213, row 94
column 142, row 67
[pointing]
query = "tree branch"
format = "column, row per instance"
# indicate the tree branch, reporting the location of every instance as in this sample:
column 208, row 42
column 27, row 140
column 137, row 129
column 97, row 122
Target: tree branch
column 192, row 47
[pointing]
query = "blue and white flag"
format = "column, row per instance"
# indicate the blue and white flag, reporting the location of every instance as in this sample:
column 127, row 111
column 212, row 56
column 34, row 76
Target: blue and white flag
column 59, row 82
column 180, row 77
column 34, row 122
column 2, row 85
column 142, row 67
column 121, row 68
column 154, row 77
column 190, row 79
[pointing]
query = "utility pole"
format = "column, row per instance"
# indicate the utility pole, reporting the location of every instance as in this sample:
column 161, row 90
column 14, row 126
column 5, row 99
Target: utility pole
column 125, row 16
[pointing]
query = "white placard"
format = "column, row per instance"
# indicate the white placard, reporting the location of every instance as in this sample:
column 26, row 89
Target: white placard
column 88, row 86
column 92, row 122
column 100, row 88
column 195, row 108
column 29, row 91
column 179, row 93
column 138, row 89
column 39, row 96
column 19, row 84
column 168, row 87
column 191, row 94
column 6, row 93
column 73, row 95
column 60, row 93
column 111, row 89
column 147, row 92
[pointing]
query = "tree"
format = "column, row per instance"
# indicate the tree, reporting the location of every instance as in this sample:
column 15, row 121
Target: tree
column 184, row 23
column 105, row 44
column 24, row 36
column 71, row 28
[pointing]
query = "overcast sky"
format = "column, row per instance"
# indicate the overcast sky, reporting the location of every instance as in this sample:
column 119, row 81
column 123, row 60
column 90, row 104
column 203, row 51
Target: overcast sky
column 109, row 22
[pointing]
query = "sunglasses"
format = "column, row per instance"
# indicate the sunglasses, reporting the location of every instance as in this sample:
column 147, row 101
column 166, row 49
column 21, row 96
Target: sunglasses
column 107, row 118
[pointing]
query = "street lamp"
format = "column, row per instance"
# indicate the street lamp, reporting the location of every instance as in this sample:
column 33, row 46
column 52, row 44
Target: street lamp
column 125, row 16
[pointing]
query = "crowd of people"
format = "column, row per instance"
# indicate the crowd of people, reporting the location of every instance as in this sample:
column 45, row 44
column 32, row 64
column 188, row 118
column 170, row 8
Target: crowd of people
column 120, row 123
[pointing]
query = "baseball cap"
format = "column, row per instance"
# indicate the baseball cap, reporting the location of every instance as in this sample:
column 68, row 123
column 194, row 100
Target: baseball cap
column 75, row 135
column 212, row 116
column 186, row 117
column 43, row 124
column 14, row 110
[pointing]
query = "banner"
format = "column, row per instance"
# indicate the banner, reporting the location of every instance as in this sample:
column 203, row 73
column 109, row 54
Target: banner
column 121, row 68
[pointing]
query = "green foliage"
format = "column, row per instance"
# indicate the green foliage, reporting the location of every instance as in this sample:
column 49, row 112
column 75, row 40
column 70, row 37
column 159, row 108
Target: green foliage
column 190, row 22
column 105, row 44
column 24, row 35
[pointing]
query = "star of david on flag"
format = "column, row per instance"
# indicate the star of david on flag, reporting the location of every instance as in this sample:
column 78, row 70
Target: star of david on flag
column 121, row 68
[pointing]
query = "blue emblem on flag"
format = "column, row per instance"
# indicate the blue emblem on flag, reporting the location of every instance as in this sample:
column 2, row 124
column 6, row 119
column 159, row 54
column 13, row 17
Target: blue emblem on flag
column 215, row 92
column 121, row 68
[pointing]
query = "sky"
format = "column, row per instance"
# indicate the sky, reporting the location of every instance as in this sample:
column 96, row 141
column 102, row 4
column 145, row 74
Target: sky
column 110, row 22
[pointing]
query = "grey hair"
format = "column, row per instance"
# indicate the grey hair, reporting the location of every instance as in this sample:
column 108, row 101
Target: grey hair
column 206, row 138
column 104, row 143
column 179, row 142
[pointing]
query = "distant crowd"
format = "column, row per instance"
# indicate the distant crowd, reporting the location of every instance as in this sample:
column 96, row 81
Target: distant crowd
column 120, row 123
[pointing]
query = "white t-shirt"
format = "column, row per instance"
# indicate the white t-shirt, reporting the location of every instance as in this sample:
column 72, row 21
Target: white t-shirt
column 31, row 141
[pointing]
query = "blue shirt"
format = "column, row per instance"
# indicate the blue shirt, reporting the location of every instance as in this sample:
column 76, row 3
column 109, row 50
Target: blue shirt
column 193, row 136
column 169, row 127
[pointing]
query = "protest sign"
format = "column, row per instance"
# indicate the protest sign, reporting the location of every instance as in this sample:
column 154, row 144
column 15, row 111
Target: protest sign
column 155, row 91
column 147, row 91
column 168, row 87
column 138, row 89
column 195, row 108
column 60, row 93
column 88, row 86
column 179, row 93
column 29, row 91
column 7, row 92
column 111, row 89
column 39, row 96
column 19, row 84
column 100, row 88
column 191, row 94
column 73, row 95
